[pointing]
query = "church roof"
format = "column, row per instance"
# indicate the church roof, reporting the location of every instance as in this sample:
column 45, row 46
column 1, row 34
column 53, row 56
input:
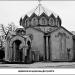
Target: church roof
column 57, row 28
column 62, row 28
column 36, row 29
column 42, row 30
column 38, row 10
column 40, row 16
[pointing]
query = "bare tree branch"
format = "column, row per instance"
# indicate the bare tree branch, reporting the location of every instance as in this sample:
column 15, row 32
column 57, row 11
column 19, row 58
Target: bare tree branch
column 3, row 29
column 10, row 27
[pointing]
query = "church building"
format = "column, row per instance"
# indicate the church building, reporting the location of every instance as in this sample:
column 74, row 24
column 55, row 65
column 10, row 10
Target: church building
column 42, row 38
column 50, row 40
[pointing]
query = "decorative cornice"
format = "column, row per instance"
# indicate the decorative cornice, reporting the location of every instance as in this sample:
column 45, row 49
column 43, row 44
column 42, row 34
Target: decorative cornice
column 44, row 15
column 57, row 20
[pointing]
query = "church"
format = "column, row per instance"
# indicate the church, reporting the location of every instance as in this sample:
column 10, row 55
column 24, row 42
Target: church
column 42, row 38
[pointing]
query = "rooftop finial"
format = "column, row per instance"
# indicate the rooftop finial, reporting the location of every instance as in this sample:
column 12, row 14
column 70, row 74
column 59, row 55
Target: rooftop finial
column 39, row 6
column 39, row 2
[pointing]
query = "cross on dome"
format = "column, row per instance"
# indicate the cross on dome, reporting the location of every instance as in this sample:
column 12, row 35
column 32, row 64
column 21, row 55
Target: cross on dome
column 39, row 9
column 39, row 2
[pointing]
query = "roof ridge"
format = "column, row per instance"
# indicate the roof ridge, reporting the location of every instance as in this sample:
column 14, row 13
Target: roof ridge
column 63, row 28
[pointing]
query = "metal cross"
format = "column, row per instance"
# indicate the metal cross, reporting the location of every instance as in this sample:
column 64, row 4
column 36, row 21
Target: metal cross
column 39, row 6
column 39, row 1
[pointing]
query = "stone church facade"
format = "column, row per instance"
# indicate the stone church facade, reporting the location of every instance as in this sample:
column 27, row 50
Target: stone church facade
column 42, row 38
column 50, row 39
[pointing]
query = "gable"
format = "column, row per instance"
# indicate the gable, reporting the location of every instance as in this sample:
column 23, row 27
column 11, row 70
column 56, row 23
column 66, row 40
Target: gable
column 43, row 15
column 33, row 15
column 61, row 29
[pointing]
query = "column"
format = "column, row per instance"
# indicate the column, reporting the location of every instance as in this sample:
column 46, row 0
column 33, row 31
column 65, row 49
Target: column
column 24, row 54
column 44, row 47
column 10, row 54
column 14, row 52
column 7, row 48
column 47, row 52
column 38, row 56
column 49, row 47
column 30, row 55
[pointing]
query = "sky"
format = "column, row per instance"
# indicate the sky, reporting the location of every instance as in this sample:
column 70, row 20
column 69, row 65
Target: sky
column 11, row 11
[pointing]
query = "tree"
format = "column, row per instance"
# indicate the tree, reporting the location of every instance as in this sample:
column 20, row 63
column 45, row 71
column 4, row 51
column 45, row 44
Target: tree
column 4, row 30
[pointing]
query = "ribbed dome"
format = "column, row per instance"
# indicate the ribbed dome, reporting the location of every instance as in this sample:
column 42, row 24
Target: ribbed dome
column 39, row 10
column 20, row 27
column 40, row 16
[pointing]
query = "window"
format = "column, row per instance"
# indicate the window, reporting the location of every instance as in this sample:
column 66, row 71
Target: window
column 26, row 22
column 51, row 22
column 34, row 21
column 43, row 21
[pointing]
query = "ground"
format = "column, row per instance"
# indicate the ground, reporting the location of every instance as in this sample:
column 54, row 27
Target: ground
column 41, row 65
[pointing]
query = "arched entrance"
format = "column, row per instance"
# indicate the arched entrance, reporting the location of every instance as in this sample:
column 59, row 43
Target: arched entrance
column 17, row 49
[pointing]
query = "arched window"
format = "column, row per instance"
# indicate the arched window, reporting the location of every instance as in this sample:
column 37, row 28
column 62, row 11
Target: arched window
column 28, row 43
column 51, row 22
column 43, row 21
column 34, row 21
column 27, row 22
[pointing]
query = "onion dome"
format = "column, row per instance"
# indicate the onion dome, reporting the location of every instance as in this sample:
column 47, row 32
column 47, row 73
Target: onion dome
column 40, row 16
column 20, row 31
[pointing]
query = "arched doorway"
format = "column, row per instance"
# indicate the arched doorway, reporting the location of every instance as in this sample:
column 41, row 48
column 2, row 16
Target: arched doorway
column 17, row 54
column 28, row 56
column 17, row 51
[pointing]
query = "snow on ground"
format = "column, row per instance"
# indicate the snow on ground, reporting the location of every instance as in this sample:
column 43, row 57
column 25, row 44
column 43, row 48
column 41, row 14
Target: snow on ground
column 41, row 65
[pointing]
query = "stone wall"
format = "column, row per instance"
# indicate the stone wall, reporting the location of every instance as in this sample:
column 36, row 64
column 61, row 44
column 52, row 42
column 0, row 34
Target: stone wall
column 38, row 40
column 60, row 45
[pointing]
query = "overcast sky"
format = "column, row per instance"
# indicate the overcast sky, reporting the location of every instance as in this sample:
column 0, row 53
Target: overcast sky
column 11, row 11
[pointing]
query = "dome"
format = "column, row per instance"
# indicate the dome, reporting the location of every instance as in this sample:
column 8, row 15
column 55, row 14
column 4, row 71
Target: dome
column 20, row 27
column 39, row 10
column 40, row 16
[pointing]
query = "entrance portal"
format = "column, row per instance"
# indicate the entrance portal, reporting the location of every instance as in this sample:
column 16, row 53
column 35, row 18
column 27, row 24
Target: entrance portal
column 17, row 52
